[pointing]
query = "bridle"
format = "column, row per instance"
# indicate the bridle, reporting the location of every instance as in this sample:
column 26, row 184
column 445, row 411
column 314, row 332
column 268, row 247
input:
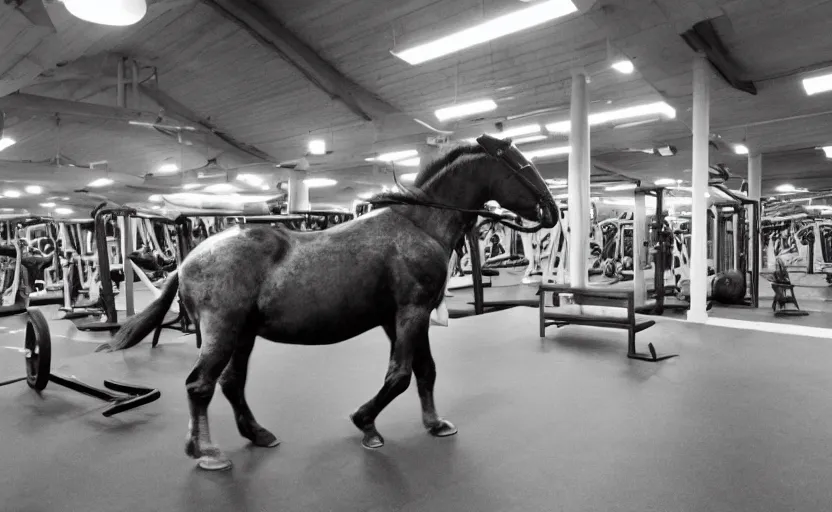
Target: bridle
column 502, row 150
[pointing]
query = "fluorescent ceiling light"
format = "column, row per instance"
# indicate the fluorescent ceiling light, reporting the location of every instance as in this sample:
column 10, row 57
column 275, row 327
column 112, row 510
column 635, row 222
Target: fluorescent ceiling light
column 408, row 177
column 664, row 181
column 6, row 142
column 511, row 133
column 623, row 66
column 112, row 12
column 319, row 182
column 191, row 186
column 34, row 189
column 100, row 182
column 617, row 115
column 827, row 150
column 516, row 21
column 817, row 84
column 786, row 187
column 741, row 149
column 410, row 162
column 220, row 187
column 63, row 211
column 250, row 179
column 530, row 138
column 168, row 168
column 555, row 184
column 265, row 187
column 465, row 109
column 317, row 147
column 155, row 198
column 394, row 156
column 11, row 193
column 625, row 186
column 541, row 153
column 48, row 205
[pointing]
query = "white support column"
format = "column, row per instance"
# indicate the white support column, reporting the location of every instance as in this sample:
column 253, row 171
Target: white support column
column 699, row 207
column 298, row 192
column 578, row 181
column 755, row 175
column 639, row 249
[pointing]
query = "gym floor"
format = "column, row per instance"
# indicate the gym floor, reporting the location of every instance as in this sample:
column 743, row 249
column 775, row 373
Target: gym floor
column 738, row 422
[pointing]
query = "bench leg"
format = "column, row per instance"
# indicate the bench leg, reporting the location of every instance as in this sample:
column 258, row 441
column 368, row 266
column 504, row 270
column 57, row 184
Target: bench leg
column 542, row 312
column 653, row 357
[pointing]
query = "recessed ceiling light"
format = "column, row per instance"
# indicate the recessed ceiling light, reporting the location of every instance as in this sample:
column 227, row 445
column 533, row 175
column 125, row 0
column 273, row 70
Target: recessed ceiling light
column 516, row 21
column 465, row 109
column 6, row 142
column 100, row 182
column 63, row 211
column 609, row 116
column 155, row 198
column 34, row 189
column 817, row 84
column 625, row 186
column 48, row 205
column 741, row 149
column 623, row 66
column 319, row 182
column 317, row 147
column 169, row 167
column 541, row 153
column 11, row 193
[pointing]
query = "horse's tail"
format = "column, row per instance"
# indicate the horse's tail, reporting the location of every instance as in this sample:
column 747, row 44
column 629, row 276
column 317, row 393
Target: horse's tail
column 139, row 326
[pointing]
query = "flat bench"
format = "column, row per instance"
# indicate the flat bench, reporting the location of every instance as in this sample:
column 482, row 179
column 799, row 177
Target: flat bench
column 597, row 297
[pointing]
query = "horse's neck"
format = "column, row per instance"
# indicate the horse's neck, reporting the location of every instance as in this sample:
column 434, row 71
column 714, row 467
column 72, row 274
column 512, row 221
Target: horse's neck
column 457, row 188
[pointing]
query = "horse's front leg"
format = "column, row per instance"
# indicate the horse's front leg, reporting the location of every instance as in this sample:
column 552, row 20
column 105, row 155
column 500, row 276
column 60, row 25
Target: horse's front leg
column 425, row 371
column 411, row 325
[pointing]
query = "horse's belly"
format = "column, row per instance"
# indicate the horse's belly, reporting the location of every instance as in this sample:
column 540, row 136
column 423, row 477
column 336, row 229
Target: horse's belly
column 316, row 327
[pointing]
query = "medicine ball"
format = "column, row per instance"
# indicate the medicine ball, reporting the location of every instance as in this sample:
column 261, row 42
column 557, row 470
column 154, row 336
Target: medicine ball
column 729, row 287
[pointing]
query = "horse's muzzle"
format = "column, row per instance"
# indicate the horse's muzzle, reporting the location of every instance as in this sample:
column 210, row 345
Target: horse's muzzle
column 548, row 214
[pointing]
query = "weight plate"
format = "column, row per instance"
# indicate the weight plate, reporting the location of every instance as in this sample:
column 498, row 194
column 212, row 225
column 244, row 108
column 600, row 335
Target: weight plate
column 38, row 350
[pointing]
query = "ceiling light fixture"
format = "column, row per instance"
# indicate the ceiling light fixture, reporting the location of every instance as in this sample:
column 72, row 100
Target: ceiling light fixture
column 155, row 198
column 6, row 142
column 817, row 84
column 319, row 182
column 118, row 13
column 465, row 109
column 527, row 129
column 516, row 21
column 100, row 182
column 250, row 179
column 530, row 138
column 542, row 153
column 649, row 109
column 623, row 66
column 786, row 187
column 827, row 150
column 48, row 205
column 366, row 195
column 11, row 193
column 625, row 186
column 317, row 147
column 741, row 149
column 63, row 211
column 664, row 181
column 169, row 167
column 410, row 162
column 394, row 156
column 220, row 187
column 34, row 189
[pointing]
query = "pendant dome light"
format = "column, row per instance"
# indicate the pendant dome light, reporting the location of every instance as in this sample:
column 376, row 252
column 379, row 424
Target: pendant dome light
column 110, row 12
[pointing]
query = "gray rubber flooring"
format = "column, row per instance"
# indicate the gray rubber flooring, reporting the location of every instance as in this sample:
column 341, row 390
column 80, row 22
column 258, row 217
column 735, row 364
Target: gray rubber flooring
column 740, row 422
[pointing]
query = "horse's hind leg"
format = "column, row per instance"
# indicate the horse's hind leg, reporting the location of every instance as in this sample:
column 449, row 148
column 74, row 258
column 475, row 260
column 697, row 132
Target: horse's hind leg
column 219, row 344
column 233, row 384
column 425, row 371
column 410, row 327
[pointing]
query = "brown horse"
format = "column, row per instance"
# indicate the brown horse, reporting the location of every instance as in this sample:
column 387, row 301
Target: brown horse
column 387, row 269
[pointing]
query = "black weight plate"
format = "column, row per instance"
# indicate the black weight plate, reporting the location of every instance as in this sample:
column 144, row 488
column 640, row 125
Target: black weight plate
column 38, row 350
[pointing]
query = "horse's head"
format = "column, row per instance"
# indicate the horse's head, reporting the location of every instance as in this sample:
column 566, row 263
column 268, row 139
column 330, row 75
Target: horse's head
column 518, row 186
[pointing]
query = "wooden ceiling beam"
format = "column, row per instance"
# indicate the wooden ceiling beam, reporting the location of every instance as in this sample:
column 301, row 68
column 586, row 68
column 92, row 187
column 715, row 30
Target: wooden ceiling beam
column 272, row 34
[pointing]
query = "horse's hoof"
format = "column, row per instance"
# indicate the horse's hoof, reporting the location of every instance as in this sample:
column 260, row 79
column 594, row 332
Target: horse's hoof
column 372, row 440
column 264, row 439
column 443, row 428
column 212, row 463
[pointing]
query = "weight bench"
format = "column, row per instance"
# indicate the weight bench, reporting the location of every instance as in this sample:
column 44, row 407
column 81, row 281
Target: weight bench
column 597, row 297
column 784, row 293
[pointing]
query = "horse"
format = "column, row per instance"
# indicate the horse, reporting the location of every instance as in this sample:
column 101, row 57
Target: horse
column 387, row 268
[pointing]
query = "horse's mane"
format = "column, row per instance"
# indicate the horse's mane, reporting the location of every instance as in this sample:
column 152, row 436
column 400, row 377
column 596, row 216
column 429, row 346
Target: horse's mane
column 432, row 170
